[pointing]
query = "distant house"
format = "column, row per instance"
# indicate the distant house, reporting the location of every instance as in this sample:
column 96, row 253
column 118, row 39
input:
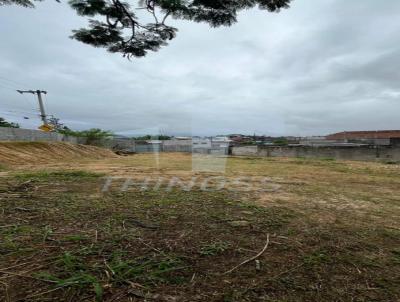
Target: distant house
column 201, row 143
column 240, row 138
column 359, row 135
column 220, row 142
column 378, row 137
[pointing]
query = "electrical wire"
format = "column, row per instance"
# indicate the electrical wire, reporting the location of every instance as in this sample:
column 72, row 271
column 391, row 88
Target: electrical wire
column 12, row 81
column 14, row 86
column 6, row 87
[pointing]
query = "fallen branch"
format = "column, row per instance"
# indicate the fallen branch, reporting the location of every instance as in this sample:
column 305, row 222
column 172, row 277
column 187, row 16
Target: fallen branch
column 251, row 259
column 8, row 226
column 44, row 293
column 25, row 276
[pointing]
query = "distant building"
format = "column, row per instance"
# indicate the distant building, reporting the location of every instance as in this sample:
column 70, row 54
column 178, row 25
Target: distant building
column 379, row 134
column 201, row 143
column 220, row 142
column 240, row 139
column 378, row 137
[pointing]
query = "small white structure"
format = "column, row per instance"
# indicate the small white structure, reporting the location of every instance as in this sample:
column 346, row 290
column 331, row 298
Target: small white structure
column 201, row 143
column 220, row 142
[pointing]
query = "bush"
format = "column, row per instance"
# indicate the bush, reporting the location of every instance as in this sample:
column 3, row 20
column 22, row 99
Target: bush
column 4, row 123
column 281, row 141
column 91, row 135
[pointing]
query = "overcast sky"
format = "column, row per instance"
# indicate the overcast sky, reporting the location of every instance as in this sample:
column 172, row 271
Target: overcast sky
column 319, row 67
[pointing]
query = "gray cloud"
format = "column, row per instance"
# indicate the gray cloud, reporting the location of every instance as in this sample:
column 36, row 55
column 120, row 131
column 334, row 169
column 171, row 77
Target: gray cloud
column 319, row 67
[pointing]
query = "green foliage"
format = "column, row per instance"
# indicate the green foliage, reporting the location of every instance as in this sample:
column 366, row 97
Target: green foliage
column 91, row 135
column 4, row 123
column 154, row 137
column 214, row 248
column 69, row 132
column 56, row 175
column 95, row 134
column 57, row 125
column 145, row 270
column 392, row 162
column 124, row 32
column 317, row 258
column 396, row 256
column 115, row 25
column 78, row 280
column 73, row 271
column 281, row 141
column 47, row 231
column 23, row 3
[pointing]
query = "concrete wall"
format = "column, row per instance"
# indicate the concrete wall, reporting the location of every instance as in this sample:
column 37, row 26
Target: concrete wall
column 27, row 135
column 116, row 144
column 245, row 151
column 176, row 145
column 364, row 153
column 146, row 148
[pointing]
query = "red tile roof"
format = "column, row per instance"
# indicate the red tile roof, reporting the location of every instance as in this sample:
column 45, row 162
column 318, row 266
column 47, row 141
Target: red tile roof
column 364, row 134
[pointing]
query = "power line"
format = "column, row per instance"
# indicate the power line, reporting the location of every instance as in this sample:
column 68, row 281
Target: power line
column 7, row 87
column 12, row 81
column 19, row 112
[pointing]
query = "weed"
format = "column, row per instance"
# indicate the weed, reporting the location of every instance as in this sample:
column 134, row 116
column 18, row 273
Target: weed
column 57, row 175
column 327, row 159
column 391, row 162
column 78, row 280
column 317, row 258
column 142, row 269
column 71, row 263
column 214, row 248
column 47, row 231
column 75, row 238
column 396, row 256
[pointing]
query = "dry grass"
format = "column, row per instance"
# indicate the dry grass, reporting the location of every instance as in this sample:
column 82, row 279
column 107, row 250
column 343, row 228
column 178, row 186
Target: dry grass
column 22, row 153
column 334, row 232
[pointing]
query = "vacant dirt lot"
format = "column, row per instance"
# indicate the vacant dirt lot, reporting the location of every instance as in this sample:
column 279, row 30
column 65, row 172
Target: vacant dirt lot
column 331, row 230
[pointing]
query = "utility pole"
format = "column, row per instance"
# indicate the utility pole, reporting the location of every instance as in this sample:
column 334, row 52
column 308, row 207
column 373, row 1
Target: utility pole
column 41, row 106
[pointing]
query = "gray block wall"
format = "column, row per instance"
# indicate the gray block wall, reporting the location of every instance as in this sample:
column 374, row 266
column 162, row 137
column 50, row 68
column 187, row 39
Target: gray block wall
column 28, row 135
column 364, row 153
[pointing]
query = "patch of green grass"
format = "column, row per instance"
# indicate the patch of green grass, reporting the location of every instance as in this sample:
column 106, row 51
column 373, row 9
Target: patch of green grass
column 253, row 207
column 391, row 162
column 79, row 270
column 396, row 256
column 327, row 159
column 57, row 175
column 11, row 237
column 145, row 270
column 73, row 272
column 71, row 263
column 326, row 162
column 47, row 231
column 317, row 258
column 74, row 238
column 76, row 280
column 214, row 248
